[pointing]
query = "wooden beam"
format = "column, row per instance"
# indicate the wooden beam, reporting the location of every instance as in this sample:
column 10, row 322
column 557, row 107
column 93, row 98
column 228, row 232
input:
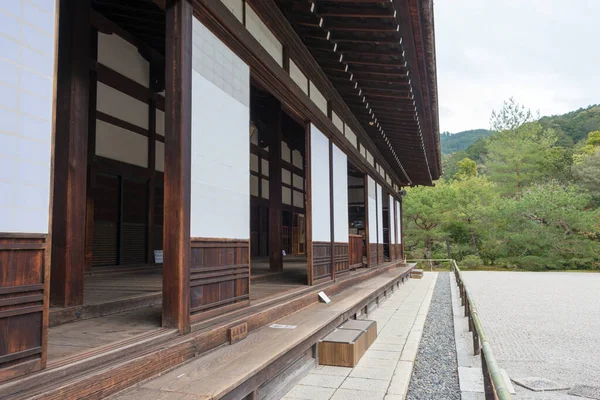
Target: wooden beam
column 178, row 132
column 215, row 15
column 340, row 12
column 70, row 161
column 369, row 27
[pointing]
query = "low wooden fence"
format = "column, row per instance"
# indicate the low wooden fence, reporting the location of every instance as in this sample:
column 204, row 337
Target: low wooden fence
column 493, row 379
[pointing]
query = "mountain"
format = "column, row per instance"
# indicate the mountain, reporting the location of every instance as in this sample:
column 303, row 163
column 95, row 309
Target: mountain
column 574, row 126
column 462, row 140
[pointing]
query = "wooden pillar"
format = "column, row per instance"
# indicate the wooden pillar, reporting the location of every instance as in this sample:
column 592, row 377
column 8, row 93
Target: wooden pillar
column 178, row 120
column 367, row 231
column 71, row 152
column 379, row 240
column 275, row 190
column 155, row 69
column 308, row 203
column 401, row 231
column 91, row 177
column 331, row 204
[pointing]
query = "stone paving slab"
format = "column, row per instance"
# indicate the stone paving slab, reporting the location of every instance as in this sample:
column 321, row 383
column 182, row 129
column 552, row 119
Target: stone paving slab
column 384, row 372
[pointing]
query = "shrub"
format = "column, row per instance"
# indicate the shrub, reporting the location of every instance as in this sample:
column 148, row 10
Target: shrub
column 471, row 261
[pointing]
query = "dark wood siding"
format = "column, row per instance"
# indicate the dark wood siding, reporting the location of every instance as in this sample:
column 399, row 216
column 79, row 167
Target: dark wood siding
column 340, row 254
column 321, row 260
column 105, row 247
column 134, row 222
column 219, row 274
column 22, row 296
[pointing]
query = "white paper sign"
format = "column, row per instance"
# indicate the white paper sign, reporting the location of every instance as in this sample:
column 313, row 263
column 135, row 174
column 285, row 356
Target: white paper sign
column 323, row 297
column 158, row 256
column 279, row 326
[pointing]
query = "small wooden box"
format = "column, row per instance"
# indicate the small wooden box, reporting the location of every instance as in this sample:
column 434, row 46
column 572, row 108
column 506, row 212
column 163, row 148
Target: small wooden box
column 369, row 327
column 342, row 348
column 416, row 274
column 346, row 345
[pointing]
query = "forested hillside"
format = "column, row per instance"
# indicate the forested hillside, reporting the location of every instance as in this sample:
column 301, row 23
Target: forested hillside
column 452, row 142
column 526, row 197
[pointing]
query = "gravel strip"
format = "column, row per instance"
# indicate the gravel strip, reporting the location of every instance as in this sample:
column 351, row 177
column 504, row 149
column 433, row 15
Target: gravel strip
column 435, row 373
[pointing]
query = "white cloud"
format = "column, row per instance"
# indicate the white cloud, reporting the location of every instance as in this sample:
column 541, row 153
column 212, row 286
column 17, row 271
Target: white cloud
column 542, row 52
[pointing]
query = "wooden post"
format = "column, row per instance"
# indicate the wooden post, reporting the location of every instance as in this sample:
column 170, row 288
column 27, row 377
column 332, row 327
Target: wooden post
column 71, row 153
column 178, row 106
column 275, row 189
column 308, row 205
column 367, row 233
column 331, row 205
column 89, row 215
column 401, row 231
column 154, row 70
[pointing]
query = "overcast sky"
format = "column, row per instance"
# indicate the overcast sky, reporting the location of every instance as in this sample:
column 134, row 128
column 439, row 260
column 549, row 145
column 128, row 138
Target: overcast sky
column 545, row 53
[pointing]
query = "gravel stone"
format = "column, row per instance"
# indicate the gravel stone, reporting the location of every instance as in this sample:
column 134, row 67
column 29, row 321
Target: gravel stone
column 435, row 373
column 543, row 324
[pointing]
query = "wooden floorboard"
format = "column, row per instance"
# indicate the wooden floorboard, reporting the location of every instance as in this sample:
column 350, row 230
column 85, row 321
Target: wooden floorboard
column 70, row 339
column 105, row 370
column 222, row 371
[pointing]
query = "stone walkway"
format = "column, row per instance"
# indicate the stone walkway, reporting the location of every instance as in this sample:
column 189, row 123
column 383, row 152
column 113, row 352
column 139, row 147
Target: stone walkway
column 542, row 325
column 384, row 371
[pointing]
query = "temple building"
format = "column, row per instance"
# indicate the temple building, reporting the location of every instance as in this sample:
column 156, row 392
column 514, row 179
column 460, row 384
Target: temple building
column 173, row 173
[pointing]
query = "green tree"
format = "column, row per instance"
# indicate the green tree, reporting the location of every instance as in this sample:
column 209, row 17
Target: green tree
column 522, row 151
column 587, row 175
column 589, row 148
column 469, row 198
column 424, row 209
column 467, row 168
column 551, row 227
column 511, row 116
column 450, row 163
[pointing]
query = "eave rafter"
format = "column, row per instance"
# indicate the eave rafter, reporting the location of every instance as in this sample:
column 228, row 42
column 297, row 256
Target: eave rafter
column 359, row 45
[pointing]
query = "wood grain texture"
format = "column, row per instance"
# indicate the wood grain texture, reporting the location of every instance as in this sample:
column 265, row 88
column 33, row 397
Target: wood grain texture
column 321, row 260
column 178, row 130
column 355, row 251
column 340, row 257
column 23, row 300
column 71, row 154
column 373, row 254
column 342, row 354
column 308, row 204
column 275, row 189
column 380, row 252
column 122, row 369
column 219, row 273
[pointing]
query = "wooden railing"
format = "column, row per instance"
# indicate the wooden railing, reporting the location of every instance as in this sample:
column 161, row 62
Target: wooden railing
column 355, row 251
column 495, row 386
